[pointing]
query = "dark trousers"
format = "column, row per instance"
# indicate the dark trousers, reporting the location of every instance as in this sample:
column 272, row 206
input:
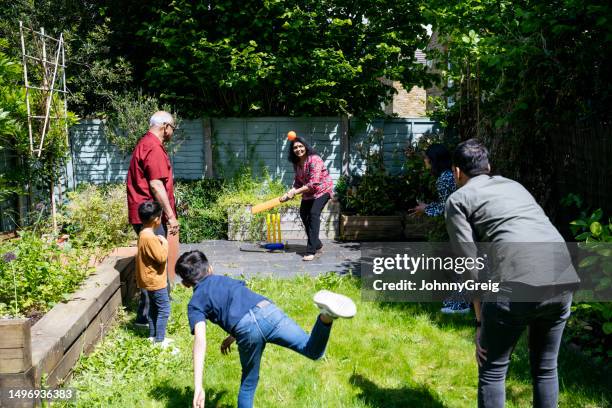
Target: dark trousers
column 143, row 304
column 159, row 312
column 310, row 212
column 503, row 322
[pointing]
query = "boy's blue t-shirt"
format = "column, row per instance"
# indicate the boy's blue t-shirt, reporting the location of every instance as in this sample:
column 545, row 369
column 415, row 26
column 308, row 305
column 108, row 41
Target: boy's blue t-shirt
column 222, row 300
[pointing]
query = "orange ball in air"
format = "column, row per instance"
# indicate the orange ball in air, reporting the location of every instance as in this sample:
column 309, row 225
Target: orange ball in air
column 291, row 135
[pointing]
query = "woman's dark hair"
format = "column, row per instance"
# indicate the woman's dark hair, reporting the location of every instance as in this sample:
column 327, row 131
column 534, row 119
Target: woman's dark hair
column 309, row 150
column 472, row 158
column 192, row 267
column 439, row 157
column 149, row 210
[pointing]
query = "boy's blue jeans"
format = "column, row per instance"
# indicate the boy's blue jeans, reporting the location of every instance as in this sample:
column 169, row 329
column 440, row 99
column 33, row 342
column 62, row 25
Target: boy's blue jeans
column 159, row 312
column 271, row 325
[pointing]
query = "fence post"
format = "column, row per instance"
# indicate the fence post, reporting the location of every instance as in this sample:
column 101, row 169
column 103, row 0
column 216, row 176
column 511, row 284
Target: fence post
column 344, row 144
column 208, row 150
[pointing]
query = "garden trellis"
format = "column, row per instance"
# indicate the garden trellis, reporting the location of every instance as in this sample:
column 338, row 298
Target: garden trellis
column 45, row 90
column 51, row 71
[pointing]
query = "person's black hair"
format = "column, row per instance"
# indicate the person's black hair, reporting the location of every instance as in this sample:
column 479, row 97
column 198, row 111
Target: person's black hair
column 148, row 210
column 439, row 158
column 309, row 150
column 472, row 157
column 192, row 267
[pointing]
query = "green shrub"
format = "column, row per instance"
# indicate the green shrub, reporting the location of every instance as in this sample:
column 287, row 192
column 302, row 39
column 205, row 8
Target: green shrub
column 96, row 217
column 36, row 273
column 204, row 206
column 591, row 326
column 129, row 120
column 378, row 193
column 199, row 214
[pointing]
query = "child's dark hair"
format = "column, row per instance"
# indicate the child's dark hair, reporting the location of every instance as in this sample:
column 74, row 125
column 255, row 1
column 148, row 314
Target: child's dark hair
column 192, row 267
column 309, row 150
column 439, row 157
column 149, row 210
column 472, row 157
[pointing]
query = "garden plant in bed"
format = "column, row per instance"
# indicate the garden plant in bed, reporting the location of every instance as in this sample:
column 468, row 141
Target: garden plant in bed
column 207, row 207
column 40, row 268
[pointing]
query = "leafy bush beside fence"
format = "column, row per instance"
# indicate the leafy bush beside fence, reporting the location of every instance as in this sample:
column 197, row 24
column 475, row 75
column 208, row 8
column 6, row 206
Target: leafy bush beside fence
column 203, row 205
column 591, row 325
column 96, row 217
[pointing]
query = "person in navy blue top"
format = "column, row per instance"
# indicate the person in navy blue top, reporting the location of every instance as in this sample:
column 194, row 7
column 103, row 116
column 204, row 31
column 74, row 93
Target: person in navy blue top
column 251, row 320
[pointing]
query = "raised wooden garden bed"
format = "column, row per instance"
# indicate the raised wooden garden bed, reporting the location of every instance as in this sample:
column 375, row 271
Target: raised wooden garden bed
column 52, row 346
column 416, row 228
column 240, row 222
column 371, row 227
column 384, row 227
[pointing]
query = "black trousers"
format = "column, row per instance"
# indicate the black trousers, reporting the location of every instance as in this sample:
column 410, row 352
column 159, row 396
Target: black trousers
column 310, row 212
column 503, row 322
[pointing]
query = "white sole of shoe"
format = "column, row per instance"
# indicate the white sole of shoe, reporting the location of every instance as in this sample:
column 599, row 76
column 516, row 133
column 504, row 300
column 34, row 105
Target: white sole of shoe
column 339, row 305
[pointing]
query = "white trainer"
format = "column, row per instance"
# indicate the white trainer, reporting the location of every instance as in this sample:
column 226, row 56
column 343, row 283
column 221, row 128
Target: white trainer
column 167, row 345
column 334, row 305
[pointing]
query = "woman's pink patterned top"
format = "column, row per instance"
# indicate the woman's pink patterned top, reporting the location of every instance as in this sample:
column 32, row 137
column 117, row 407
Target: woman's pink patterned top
column 313, row 174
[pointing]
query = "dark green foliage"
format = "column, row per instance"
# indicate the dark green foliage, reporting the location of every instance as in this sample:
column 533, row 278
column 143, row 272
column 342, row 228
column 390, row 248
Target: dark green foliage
column 591, row 326
column 235, row 58
column 203, row 206
column 529, row 78
column 377, row 192
column 199, row 215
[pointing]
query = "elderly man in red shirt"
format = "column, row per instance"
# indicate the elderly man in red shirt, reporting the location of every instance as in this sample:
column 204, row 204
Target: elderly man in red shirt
column 150, row 179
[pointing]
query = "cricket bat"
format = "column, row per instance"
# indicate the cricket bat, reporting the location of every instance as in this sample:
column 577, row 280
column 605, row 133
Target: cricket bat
column 266, row 205
column 173, row 250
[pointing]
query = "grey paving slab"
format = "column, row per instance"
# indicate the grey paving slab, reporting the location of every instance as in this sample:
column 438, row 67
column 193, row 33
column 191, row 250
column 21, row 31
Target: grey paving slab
column 227, row 259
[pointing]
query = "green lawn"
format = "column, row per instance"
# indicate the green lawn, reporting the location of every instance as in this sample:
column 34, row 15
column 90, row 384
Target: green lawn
column 389, row 355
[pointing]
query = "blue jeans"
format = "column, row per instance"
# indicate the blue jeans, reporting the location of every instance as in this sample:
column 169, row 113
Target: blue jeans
column 159, row 312
column 271, row 325
column 503, row 322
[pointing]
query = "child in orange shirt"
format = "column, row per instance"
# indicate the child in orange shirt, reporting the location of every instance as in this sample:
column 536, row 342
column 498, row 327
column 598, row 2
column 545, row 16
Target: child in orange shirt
column 151, row 271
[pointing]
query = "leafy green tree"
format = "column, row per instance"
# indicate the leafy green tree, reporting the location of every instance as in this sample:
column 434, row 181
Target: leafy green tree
column 97, row 66
column 521, row 73
column 13, row 118
column 274, row 57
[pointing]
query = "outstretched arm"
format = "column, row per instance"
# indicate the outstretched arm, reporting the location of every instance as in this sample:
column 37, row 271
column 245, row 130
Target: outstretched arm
column 199, row 353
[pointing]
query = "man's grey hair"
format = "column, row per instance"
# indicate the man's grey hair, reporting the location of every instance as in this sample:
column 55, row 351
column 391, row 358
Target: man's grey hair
column 159, row 118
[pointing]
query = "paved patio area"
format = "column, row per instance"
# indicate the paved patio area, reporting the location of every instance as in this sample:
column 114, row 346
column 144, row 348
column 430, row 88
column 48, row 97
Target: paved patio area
column 227, row 258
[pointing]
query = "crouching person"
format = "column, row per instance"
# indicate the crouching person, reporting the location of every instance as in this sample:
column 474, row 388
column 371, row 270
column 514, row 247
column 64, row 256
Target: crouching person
column 251, row 321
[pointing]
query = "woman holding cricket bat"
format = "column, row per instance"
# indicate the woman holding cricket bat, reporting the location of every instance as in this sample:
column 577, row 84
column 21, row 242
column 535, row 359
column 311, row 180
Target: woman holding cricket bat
column 313, row 182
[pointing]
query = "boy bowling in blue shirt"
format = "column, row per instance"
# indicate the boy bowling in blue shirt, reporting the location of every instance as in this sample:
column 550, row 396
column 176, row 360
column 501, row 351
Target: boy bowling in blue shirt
column 251, row 321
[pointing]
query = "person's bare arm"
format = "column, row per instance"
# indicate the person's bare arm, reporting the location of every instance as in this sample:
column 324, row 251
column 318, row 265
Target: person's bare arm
column 159, row 192
column 199, row 354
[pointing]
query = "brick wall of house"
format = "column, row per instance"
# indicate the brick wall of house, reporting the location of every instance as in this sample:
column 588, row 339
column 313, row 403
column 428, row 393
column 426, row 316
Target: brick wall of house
column 407, row 104
column 414, row 102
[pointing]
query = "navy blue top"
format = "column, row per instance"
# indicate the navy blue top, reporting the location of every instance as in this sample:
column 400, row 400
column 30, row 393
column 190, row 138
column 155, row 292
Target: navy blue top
column 222, row 300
